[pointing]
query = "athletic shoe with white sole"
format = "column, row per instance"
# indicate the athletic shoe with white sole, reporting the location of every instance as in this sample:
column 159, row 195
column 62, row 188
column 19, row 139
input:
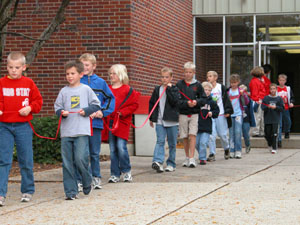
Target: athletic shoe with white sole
column 170, row 168
column 158, row 167
column 113, row 179
column 127, row 177
column 26, row 197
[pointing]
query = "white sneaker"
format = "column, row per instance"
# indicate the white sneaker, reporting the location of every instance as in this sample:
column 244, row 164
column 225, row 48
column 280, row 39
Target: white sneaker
column 274, row 151
column 186, row 162
column 96, row 182
column 192, row 163
column 238, row 155
column 113, row 179
column 2, row 201
column 127, row 177
column 26, row 197
column 232, row 155
column 80, row 187
column 158, row 167
column 270, row 148
column 170, row 168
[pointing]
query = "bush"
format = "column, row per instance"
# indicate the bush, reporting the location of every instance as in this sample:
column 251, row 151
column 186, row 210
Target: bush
column 45, row 150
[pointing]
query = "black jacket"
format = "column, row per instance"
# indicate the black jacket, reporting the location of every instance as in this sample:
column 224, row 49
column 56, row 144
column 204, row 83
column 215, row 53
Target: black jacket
column 171, row 112
column 195, row 92
column 205, row 125
column 272, row 116
column 227, row 105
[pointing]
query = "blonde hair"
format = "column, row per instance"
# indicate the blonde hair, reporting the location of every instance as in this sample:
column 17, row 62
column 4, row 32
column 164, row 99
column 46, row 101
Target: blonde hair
column 244, row 87
column 88, row 57
column 207, row 84
column 16, row 56
column 167, row 70
column 189, row 65
column 121, row 72
column 234, row 78
column 283, row 76
column 214, row 73
column 257, row 71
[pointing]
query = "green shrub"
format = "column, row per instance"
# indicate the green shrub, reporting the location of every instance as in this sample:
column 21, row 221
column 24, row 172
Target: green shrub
column 45, row 150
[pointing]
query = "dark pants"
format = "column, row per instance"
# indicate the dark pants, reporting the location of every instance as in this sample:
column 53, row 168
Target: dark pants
column 271, row 131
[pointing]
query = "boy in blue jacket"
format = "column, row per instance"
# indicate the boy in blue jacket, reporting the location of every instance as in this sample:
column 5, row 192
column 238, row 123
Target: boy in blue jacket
column 107, row 100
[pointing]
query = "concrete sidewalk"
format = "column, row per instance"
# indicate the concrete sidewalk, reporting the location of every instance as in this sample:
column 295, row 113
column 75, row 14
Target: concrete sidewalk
column 260, row 188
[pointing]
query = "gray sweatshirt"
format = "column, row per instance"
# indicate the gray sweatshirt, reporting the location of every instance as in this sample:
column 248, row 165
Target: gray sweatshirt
column 73, row 99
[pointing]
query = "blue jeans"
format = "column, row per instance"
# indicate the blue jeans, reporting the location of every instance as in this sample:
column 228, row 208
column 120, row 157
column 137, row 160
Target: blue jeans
column 235, row 134
column 119, row 157
column 159, row 151
column 285, row 119
column 21, row 134
column 201, row 144
column 246, row 133
column 220, row 127
column 75, row 154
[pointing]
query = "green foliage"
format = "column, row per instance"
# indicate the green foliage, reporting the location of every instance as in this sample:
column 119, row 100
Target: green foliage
column 45, row 150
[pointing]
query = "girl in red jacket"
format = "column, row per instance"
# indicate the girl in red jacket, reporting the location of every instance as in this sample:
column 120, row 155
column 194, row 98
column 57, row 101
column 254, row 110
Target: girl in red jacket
column 119, row 121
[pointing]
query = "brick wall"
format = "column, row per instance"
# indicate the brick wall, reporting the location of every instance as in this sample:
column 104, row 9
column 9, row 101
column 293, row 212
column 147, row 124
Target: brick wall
column 143, row 35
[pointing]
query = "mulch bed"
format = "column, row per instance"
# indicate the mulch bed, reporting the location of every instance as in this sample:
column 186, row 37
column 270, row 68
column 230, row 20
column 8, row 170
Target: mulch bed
column 38, row 167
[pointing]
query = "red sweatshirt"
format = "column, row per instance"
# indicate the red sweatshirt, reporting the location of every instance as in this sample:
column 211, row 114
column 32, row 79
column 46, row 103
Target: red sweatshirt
column 16, row 94
column 257, row 89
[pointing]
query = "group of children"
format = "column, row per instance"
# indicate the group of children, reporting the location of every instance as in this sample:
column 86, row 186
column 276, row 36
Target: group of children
column 82, row 106
column 202, row 111
column 92, row 111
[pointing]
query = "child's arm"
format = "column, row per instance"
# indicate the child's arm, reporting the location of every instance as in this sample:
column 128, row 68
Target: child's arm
column 215, row 110
column 292, row 99
column 130, row 105
column 108, row 104
column 265, row 102
column 279, row 105
column 173, row 95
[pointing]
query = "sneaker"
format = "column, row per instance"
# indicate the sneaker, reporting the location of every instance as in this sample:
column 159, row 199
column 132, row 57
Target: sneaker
column 96, row 182
column 270, row 148
column 73, row 197
column 202, row 162
column 238, row 155
column 232, row 155
column 158, row 167
column 2, row 201
column 186, row 162
column 113, row 179
column 26, row 197
column 127, row 177
column 248, row 149
column 79, row 185
column 287, row 135
column 192, row 163
column 226, row 154
column 170, row 168
column 211, row 158
column 274, row 151
column 87, row 190
column 279, row 144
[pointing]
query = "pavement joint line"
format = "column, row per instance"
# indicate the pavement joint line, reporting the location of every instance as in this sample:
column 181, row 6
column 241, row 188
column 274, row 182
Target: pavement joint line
column 218, row 188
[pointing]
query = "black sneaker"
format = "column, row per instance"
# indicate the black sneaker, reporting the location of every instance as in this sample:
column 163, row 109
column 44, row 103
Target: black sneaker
column 211, row 158
column 287, row 136
column 87, row 190
column 226, row 154
column 279, row 144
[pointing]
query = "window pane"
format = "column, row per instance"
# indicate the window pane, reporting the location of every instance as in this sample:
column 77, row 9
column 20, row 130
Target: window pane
column 209, row 30
column 278, row 28
column 209, row 58
column 239, row 29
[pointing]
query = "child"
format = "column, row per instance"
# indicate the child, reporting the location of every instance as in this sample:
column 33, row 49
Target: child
column 105, row 96
column 265, row 79
column 188, row 112
column 119, row 120
column 19, row 98
column 208, row 111
column 235, row 131
column 75, row 103
column 220, row 124
column 287, row 96
column 257, row 90
column 272, row 105
column 248, row 119
column 166, row 117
